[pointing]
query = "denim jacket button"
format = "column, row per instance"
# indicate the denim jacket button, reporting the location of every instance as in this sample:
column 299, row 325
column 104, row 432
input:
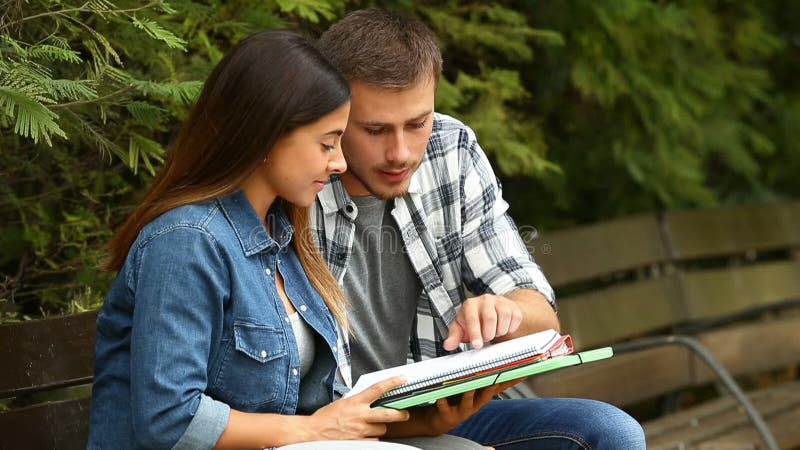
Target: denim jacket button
column 303, row 308
column 294, row 372
column 263, row 353
column 268, row 272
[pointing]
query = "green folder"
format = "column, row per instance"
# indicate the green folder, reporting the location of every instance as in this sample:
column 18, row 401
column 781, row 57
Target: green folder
column 429, row 395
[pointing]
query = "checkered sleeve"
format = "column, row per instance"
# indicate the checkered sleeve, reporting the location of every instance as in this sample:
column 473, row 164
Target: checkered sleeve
column 495, row 259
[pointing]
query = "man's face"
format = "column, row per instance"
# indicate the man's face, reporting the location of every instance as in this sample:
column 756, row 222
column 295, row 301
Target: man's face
column 386, row 137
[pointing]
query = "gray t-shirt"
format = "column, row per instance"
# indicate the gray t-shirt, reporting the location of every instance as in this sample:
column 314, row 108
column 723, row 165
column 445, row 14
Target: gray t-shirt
column 304, row 336
column 382, row 289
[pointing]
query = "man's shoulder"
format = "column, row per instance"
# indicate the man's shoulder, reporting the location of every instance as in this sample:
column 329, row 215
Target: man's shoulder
column 449, row 137
column 444, row 124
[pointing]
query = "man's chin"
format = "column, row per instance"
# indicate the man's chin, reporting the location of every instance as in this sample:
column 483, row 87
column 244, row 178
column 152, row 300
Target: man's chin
column 390, row 195
column 385, row 192
column 381, row 189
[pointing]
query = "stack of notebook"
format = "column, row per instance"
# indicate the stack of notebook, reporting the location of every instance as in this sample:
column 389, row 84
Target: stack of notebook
column 432, row 379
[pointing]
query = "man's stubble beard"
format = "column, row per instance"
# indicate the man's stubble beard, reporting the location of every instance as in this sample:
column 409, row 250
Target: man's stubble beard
column 382, row 194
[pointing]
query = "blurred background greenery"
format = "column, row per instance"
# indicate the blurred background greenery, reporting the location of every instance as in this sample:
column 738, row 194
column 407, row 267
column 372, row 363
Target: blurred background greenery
column 589, row 109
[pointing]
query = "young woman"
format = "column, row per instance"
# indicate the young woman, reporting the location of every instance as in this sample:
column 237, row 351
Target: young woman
column 219, row 329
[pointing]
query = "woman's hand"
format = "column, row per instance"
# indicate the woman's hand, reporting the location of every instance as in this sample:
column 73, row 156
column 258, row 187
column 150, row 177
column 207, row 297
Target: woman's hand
column 443, row 416
column 352, row 417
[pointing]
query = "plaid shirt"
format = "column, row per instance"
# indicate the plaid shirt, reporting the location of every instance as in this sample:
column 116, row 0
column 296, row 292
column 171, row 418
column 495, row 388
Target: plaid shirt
column 455, row 228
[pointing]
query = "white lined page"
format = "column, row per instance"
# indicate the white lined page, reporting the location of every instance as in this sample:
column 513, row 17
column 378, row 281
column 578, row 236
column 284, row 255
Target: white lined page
column 463, row 362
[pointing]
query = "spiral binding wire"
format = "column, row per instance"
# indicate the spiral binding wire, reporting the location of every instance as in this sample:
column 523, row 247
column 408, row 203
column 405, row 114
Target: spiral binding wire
column 413, row 385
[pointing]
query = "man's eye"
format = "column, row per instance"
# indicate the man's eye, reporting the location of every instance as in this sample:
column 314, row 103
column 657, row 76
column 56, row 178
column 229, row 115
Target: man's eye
column 374, row 131
column 418, row 124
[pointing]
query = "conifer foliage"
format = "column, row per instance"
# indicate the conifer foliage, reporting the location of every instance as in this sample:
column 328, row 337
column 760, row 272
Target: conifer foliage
column 589, row 109
column 85, row 87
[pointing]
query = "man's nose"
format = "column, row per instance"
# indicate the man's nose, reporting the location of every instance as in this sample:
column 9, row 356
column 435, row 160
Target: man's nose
column 397, row 150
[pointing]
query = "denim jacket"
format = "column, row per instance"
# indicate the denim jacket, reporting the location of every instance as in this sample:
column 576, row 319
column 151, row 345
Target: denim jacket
column 193, row 326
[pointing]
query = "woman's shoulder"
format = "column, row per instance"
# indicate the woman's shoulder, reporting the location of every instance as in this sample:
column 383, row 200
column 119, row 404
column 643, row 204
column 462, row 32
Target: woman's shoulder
column 190, row 220
column 185, row 234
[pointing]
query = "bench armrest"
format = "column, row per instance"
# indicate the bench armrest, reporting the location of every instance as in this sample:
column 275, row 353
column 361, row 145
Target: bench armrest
column 702, row 352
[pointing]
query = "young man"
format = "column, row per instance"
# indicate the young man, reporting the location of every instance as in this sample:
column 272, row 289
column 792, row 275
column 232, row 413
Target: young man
column 417, row 218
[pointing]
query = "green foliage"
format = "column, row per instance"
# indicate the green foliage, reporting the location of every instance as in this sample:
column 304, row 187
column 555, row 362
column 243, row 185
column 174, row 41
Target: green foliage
column 589, row 109
column 91, row 92
column 651, row 105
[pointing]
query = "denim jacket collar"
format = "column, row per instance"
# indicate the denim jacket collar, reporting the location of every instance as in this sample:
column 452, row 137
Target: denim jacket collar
column 248, row 227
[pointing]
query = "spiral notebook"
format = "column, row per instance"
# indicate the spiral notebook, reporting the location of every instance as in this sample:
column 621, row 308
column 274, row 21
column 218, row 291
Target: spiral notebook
column 429, row 380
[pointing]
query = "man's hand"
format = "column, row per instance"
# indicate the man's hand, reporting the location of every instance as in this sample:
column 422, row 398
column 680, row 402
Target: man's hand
column 491, row 317
column 482, row 319
column 444, row 416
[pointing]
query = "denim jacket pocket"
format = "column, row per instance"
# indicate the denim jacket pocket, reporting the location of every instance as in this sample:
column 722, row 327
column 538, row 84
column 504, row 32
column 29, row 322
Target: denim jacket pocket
column 255, row 368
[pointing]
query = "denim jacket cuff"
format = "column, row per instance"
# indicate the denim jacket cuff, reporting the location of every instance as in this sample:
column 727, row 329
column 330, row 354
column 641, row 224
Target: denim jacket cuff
column 207, row 425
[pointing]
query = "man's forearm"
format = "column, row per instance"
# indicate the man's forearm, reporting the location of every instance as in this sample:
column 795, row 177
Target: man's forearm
column 537, row 313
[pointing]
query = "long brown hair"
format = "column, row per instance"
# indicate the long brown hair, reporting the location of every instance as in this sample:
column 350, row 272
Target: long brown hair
column 269, row 84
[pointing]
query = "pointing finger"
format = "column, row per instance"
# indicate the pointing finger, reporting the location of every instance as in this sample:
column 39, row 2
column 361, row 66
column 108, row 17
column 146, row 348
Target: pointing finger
column 472, row 321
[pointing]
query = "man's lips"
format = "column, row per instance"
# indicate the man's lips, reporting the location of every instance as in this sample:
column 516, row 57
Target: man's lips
column 394, row 176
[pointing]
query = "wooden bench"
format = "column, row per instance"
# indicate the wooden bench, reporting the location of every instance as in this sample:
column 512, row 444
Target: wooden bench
column 45, row 380
column 727, row 279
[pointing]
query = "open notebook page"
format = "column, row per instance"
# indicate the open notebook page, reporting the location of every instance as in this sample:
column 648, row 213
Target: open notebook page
column 463, row 362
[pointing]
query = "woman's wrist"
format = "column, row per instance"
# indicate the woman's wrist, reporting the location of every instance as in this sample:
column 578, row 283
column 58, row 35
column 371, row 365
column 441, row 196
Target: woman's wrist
column 265, row 430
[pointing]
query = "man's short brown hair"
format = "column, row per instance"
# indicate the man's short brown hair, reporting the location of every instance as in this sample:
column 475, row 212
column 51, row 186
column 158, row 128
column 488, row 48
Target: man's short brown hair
column 383, row 48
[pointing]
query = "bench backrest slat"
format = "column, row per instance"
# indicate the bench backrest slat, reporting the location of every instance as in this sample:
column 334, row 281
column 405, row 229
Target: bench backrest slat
column 621, row 380
column 587, row 252
column 681, row 270
column 62, row 425
column 717, row 292
column 752, row 348
column 615, row 313
column 694, row 234
column 632, row 377
column 47, row 353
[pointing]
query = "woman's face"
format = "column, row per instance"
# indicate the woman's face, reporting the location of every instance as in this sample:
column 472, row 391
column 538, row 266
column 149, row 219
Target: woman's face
column 300, row 162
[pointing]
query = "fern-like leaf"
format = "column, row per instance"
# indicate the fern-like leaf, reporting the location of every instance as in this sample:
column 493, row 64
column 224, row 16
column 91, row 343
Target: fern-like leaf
column 148, row 115
column 27, row 79
column 165, row 8
column 33, row 119
column 144, row 149
column 53, row 53
column 156, row 31
column 92, row 136
column 310, row 10
column 100, row 7
column 58, row 41
column 107, row 47
column 71, row 90
column 183, row 92
column 14, row 45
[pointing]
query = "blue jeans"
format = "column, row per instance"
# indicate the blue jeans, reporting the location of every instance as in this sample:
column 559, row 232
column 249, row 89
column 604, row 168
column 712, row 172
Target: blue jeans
column 552, row 424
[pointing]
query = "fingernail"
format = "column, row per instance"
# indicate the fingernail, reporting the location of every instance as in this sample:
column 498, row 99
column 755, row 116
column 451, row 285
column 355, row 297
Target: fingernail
column 477, row 343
